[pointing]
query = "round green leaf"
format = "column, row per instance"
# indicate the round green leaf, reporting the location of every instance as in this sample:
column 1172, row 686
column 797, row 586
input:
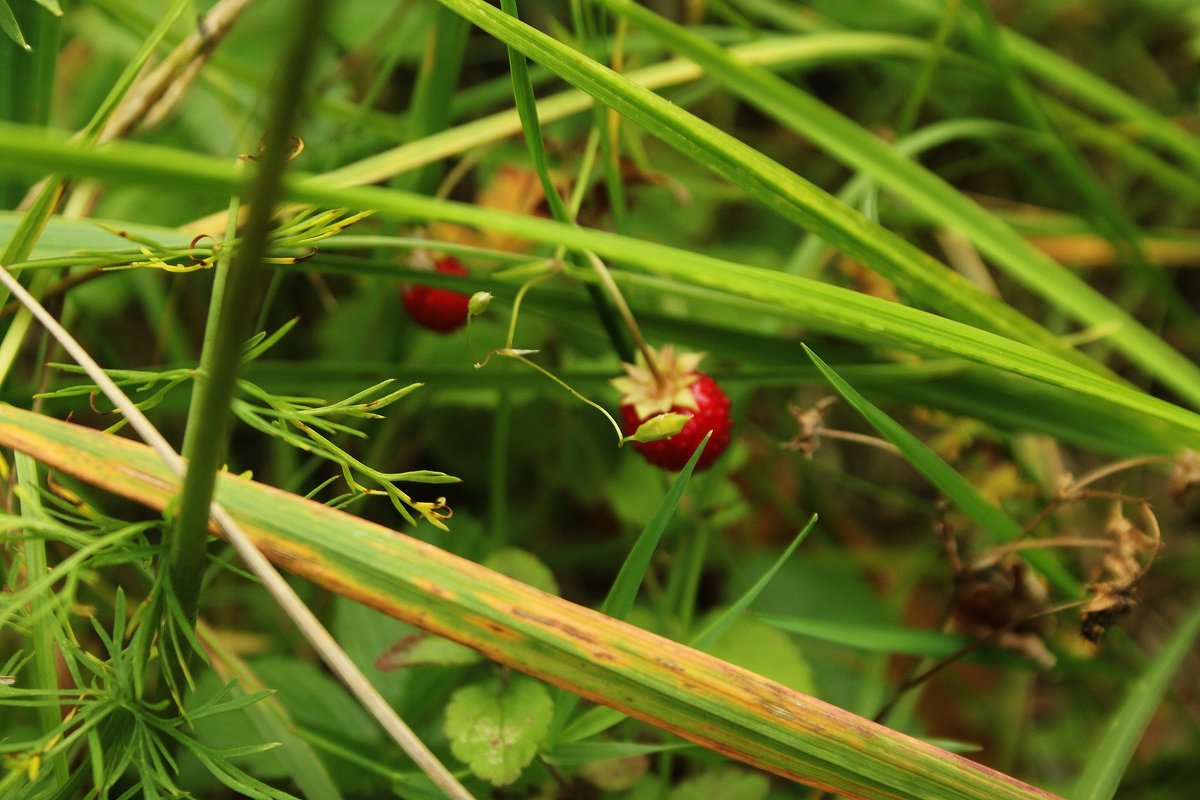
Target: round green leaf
column 496, row 730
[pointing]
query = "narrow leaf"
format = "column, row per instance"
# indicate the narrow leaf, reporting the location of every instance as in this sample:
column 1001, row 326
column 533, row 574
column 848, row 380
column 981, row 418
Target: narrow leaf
column 1107, row 762
column 8, row 24
column 872, row 638
column 718, row 626
column 625, row 588
column 947, row 480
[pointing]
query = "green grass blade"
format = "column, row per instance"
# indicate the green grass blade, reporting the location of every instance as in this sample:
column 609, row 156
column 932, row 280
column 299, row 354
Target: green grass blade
column 915, row 273
column 1108, row 760
column 679, row 689
column 619, row 601
column 776, row 53
column 31, row 225
column 717, row 628
column 1104, row 96
column 829, row 308
column 44, row 625
column 933, row 196
column 872, row 638
column 947, row 480
column 531, row 126
column 8, row 24
column 621, row 596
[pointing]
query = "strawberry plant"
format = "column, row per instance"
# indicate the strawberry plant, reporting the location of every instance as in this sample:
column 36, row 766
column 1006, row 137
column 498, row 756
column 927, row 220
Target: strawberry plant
column 921, row 525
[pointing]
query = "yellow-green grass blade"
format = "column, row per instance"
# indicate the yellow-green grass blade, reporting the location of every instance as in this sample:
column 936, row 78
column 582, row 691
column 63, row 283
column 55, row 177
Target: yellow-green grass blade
column 776, row 53
column 62, row 235
column 930, row 194
column 820, row 305
column 666, row 684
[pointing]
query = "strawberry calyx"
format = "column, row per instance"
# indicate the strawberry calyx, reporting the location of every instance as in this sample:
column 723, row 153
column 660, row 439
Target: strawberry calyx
column 656, row 389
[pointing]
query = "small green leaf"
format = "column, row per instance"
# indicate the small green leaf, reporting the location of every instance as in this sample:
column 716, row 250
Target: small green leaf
column 8, row 23
column 496, row 730
column 664, row 426
column 725, row 784
column 50, row 5
column 766, row 650
column 523, row 566
column 423, row 649
column 872, row 638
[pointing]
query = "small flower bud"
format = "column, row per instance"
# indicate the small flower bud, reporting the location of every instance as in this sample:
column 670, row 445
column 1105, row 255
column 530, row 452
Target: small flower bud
column 479, row 303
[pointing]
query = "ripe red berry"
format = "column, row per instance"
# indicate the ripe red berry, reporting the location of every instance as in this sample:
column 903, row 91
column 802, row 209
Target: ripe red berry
column 680, row 388
column 438, row 310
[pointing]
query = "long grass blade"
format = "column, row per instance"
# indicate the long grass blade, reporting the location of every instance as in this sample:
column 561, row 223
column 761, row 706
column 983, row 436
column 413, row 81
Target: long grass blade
column 947, row 480
column 825, row 307
column 1109, row 759
column 659, row 681
column 915, row 273
column 856, row 146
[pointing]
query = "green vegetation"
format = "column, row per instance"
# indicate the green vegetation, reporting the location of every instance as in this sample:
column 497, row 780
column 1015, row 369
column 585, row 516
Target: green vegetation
column 940, row 255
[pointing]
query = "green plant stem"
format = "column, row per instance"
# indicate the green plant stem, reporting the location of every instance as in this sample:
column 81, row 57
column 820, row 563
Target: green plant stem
column 912, row 105
column 208, row 428
column 27, row 77
column 528, row 111
column 498, row 469
column 42, row 610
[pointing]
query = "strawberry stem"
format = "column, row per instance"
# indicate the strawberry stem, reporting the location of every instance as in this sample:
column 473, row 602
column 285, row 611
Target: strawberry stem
column 627, row 316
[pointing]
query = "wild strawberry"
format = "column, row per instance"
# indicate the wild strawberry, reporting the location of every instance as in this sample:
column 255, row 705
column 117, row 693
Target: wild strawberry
column 680, row 388
column 438, row 310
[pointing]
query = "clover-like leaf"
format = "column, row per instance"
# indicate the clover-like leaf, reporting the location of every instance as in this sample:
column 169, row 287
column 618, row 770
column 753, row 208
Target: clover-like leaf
column 496, row 729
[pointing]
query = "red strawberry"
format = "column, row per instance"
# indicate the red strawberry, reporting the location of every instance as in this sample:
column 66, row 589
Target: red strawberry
column 682, row 389
column 438, row 310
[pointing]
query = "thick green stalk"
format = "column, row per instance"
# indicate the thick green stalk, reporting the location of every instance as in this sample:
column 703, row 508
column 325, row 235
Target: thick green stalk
column 27, row 78
column 208, row 427
column 429, row 112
